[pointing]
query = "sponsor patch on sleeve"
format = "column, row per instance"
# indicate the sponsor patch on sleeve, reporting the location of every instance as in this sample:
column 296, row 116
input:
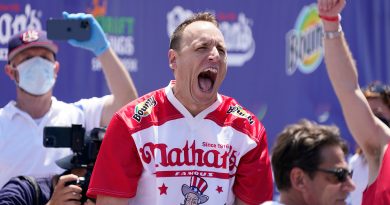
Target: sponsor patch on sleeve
column 144, row 109
column 240, row 112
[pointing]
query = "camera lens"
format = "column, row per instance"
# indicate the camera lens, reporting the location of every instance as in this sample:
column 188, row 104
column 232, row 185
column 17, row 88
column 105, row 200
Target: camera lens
column 49, row 141
column 84, row 24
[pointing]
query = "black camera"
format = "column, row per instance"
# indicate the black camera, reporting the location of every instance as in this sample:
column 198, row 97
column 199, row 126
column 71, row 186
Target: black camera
column 81, row 182
column 85, row 147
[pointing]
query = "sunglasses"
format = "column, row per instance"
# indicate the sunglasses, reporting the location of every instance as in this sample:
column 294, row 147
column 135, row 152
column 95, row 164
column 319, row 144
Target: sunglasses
column 340, row 173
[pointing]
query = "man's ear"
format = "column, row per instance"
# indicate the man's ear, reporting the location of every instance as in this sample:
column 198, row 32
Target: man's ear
column 298, row 179
column 56, row 68
column 172, row 58
column 9, row 71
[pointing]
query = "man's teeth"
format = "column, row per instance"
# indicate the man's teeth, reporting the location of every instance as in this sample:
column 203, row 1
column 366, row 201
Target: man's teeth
column 213, row 70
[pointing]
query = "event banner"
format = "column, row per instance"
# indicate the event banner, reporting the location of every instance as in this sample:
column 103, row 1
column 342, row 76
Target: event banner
column 275, row 51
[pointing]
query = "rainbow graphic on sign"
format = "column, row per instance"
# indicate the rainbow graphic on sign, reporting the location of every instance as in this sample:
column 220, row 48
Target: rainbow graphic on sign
column 304, row 49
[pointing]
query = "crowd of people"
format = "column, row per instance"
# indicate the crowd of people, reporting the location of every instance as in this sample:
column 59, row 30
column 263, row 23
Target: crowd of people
column 187, row 143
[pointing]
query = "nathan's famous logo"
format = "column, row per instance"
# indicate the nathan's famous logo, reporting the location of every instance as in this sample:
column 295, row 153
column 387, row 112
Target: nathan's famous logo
column 188, row 155
column 144, row 109
column 236, row 29
column 240, row 112
column 14, row 19
column 119, row 31
column 304, row 48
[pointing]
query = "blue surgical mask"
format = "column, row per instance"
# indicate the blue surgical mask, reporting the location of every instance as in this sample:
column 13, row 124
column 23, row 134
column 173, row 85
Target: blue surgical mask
column 36, row 75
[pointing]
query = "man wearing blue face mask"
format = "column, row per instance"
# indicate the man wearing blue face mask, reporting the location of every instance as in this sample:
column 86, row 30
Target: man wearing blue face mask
column 33, row 67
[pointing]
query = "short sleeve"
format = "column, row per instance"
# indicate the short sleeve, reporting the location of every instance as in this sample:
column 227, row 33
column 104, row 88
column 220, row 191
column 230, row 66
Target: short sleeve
column 118, row 166
column 253, row 183
column 92, row 109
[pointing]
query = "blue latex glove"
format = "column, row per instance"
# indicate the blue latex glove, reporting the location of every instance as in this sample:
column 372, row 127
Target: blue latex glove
column 98, row 42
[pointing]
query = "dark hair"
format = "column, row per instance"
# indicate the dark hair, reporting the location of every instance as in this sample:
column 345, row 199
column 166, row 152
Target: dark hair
column 378, row 90
column 177, row 34
column 300, row 145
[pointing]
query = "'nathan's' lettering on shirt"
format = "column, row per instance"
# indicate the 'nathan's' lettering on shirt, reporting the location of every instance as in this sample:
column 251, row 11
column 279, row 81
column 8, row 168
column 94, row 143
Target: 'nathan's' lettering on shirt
column 144, row 109
column 240, row 112
column 189, row 155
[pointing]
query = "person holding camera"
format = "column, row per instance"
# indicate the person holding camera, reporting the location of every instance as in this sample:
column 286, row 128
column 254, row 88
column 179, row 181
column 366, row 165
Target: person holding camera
column 50, row 190
column 185, row 143
column 69, row 187
column 32, row 65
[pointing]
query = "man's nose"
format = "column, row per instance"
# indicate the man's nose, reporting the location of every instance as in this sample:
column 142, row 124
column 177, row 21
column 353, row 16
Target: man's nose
column 349, row 185
column 214, row 54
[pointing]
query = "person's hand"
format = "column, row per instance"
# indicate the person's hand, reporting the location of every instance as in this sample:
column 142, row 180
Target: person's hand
column 330, row 7
column 98, row 42
column 69, row 195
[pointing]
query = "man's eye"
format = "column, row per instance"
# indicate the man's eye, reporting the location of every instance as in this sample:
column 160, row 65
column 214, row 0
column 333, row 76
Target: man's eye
column 223, row 51
column 24, row 59
column 28, row 58
column 46, row 58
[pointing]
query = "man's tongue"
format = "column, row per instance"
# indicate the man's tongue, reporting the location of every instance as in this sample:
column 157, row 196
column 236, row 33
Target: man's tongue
column 205, row 83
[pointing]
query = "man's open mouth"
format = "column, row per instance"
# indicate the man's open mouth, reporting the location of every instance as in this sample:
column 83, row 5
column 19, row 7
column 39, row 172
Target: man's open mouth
column 206, row 79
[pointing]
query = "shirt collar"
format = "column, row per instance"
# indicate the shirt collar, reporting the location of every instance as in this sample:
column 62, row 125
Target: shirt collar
column 176, row 103
column 11, row 110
